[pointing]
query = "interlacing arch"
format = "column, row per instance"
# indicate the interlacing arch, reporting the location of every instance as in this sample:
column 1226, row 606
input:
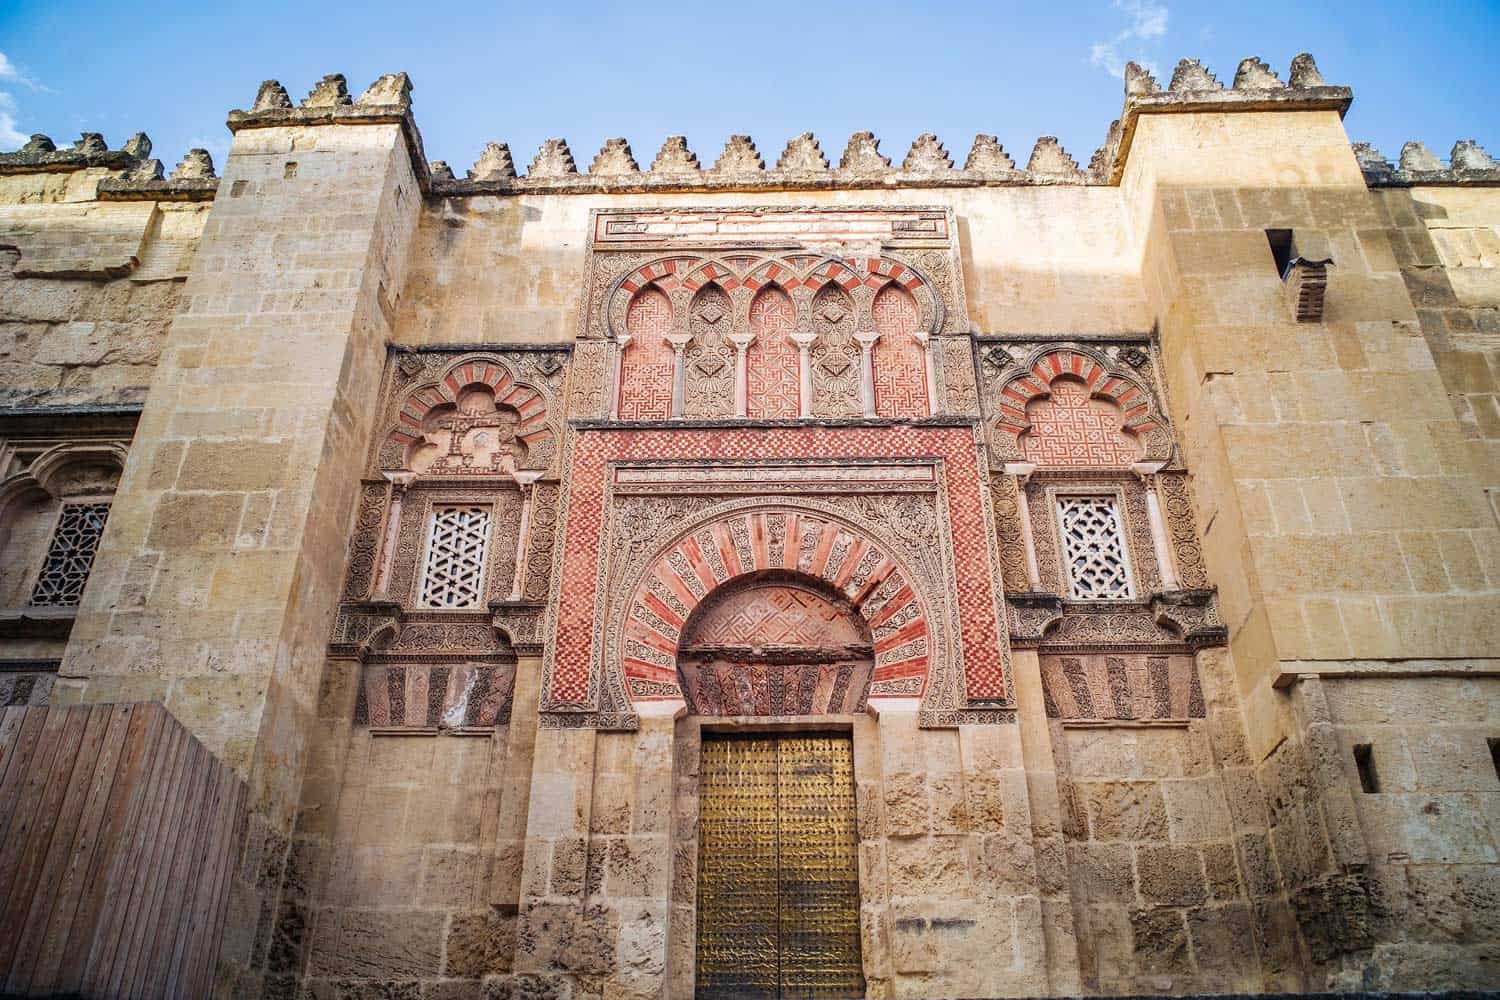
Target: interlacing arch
column 812, row 545
column 1054, row 368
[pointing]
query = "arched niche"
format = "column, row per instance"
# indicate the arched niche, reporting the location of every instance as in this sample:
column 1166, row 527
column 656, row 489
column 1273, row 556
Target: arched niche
column 1094, row 390
column 775, row 643
column 478, row 419
column 646, row 366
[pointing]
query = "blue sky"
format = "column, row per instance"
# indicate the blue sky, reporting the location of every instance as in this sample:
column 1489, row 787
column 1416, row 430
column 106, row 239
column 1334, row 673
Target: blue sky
column 519, row 73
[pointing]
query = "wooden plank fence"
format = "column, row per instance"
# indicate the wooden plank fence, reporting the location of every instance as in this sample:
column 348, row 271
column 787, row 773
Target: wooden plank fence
column 118, row 836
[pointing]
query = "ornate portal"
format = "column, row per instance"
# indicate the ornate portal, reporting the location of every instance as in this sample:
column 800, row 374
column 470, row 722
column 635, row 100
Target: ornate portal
column 778, row 886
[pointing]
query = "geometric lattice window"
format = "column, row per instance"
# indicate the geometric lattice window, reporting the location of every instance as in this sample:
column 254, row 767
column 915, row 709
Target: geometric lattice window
column 1094, row 548
column 453, row 575
column 66, row 569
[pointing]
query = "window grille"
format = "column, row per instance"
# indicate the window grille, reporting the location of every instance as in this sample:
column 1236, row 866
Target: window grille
column 70, row 555
column 453, row 575
column 1093, row 542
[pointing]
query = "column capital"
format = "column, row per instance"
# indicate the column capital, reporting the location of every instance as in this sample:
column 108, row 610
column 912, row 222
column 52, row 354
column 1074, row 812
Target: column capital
column 400, row 480
column 867, row 339
column 803, row 339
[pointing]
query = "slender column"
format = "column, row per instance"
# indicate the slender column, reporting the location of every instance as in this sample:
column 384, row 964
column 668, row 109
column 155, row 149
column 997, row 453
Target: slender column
column 925, row 339
column 399, row 482
column 741, row 342
column 1022, row 471
column 804, row 342
column 867, row 371
column 679, row 342
column 526, row 480
column 1147, row 473
column 621, row 342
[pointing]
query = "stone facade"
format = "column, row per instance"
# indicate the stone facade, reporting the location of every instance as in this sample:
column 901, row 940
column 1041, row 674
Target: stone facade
column 1135, row 525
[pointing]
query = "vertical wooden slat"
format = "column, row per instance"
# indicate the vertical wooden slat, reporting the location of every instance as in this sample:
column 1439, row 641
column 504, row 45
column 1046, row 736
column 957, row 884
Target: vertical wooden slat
column 34, row 721
column 130, row 868
column 143, row 740
column 45, row 900
column 151, row 859
column 72, row 890
column 31, row 830
column 184, row 862
column 198, row 904
column 119, row 834
column 208, row 948
column 10, row 734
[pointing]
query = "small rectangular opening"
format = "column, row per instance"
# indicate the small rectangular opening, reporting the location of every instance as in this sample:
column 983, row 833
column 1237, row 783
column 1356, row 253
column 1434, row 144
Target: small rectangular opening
column 1364, row 760
column 1281, row 249
column 1494, row 743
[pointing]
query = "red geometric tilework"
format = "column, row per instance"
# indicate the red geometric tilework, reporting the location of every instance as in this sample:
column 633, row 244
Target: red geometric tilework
column 979, row 632
column 647, row 366
column 900, row 369
column 1069, row 427
column 773, row 376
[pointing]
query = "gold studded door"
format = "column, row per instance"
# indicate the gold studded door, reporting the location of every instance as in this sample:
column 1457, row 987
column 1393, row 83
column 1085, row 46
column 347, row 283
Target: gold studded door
column 778, row 885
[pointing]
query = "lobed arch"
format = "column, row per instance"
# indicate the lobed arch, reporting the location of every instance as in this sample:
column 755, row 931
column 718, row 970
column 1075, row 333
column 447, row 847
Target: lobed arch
column 1141, row 418
column 683, row 275
column 800, row 544
column 533, row 427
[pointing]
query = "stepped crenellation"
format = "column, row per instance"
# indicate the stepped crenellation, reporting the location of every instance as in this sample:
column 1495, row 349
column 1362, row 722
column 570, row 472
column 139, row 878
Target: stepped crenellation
column 1049, row 159
column 739, row 157
column 1468, row 163
column 802, row 164
column 675, row 157
column 495, row 163
column 987, row 156
column 803, row 154
column 615, row 157
column 554, row 159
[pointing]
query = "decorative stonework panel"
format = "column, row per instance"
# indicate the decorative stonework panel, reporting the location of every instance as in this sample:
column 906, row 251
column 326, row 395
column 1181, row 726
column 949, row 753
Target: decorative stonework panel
column 1122, row 687
column 70, row 555
column 835, row 355
column 1094, row 554
column 453, row 573
column 632, row 494
column 430, row 695
column 911, row 287
column 646, row 368
column 479, row 414
column 773, row 378
column 720, row 686
column 1095, row 408
column 1069, row 428
column 709, row 362
column 900, row 362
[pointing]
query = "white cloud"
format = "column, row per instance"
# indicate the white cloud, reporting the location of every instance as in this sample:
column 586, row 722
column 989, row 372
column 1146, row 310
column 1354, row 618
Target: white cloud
column 1148, row 20
column 10, row 71
column 10, row 135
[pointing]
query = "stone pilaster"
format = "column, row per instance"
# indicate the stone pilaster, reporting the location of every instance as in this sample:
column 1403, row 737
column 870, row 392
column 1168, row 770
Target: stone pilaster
column 216, row 581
